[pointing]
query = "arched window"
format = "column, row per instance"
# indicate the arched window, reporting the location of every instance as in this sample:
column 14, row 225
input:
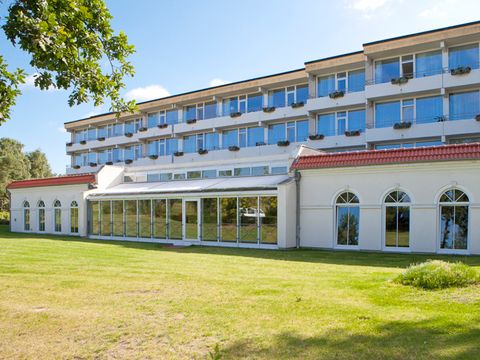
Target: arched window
column 347, row 218
column 58, row 215
column 41, row 216
column 397, row 219
column 26, row 216
column 454, row 220
column 74, row 217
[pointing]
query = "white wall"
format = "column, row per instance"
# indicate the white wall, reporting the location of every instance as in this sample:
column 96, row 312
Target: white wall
column 423, row 182
column 286, row 219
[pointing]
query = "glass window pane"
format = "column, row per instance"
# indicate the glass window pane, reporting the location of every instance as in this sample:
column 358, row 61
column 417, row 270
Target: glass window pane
column 429, row 63
column 279, row 170
column 95, row 220
column 302, row 93
column 172, row 117
column 209, row 219
column 117, row 210
column 386, row 70
column 255, row 136
column 466, row 55
column 248, row 219
column 447, row 228
column 209, row 174
column 464, row 105
column 160, row 218
column 190, row 112
column 245, row 171
column 461, row 227
column 268, row 219
column 387, row 114
column 276, row 133
column 356, row 80
column 131, row 218
column 210, row 110
column 259, row 170
column 190, row 144
column 144, row 214
column 356, row 120
column 105, row 218
column 41, row 220
column 152, row 120
column 58, row 220
column 230, row 138
column 326, row 124
column 191, row 219
column 325, row 85
column 74, row 220
column 429, row 109
column 391, row 226
column 175, row 219
column 353, row 218
column 277, row 98
column 229, row 219
column 403, row 226
column 255, row 102
column 302, row 130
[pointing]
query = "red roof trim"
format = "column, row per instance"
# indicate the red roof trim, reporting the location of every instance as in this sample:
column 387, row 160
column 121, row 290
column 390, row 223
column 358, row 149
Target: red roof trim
column 53, row 181
column 390, row 156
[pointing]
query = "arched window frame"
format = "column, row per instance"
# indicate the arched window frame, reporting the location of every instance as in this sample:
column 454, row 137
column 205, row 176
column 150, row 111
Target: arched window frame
column 74, row 217
column 41, row 215
column 26, row 216
column 347, row 200
column 57, row 216
column 396, row 199
column 457, row 199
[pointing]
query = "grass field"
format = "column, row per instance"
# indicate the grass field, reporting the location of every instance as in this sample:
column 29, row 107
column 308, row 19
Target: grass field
column 76, row 299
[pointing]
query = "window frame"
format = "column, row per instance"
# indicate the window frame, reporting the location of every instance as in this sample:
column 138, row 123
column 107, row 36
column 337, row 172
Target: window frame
column 349, row 204
column 337, row 78
column 396, row 205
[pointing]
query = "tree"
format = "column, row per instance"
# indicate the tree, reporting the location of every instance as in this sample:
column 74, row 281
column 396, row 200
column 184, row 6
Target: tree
column 68, row 40
column 39, row 166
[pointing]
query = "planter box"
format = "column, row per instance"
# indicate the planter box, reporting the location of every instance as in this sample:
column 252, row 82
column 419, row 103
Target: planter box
column 352, row 133
column 233, row 148
column 461, row 70
column 83, row 142
column 142, row 129
column 92, row 164
column 269, row 109
column 402, row 125
column 399, row 81
column 235, row 114
column 260, row 143
column 283, row 143
column 162, row 126
column 101, row 138
column 297, row 105
column 316, row 137
column 191, row 121
column 153, row 157
column 336, row 94
column 128, row 134
column 202, row 151
column 76, row 167
column 178, row 153
column 441, row 118
column 69, row 144
column 109, row 163
column 128, row 161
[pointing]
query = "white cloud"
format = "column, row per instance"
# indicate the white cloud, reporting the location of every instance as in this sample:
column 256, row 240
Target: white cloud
column 218, row 82
column 433, row 12
column 61, row 129
column 367, row 5
column 149, row 92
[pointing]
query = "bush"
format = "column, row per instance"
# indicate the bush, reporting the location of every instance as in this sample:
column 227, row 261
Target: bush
column 436, row 274
column 4, row 217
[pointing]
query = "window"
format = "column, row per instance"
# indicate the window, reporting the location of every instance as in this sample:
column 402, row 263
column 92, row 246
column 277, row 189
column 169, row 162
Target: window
column 209, row 219
column 275, row 170
column 245, row 171
column 144, row 218
column 102, row 132
column 175, row 219
column 57, row 215
column 347, row 219
column 74, row 217
column 26, row 216
column 153, row 119
column 41, row 216
column 301, row 93
column 428, row 63
column 463, row 56
column 230, row 138
column 92, row 134
column 454, row 206
column 228, row 211
column 386, row 70
column 397, row 219
column 276, row 133
column 259, row 170
column 160, row 218
column 356, row 120
column 209, row 174
column 248, row 216
column 268, row 219
column 117, row 218
column 293, row 131
column 190, row 143
column 171, row 117
column 326, row 124
column 130, row 207
column 225, row 173
column 465, row 105
column 211, row 141
column 356, row 80
column 407, row 66
column 94, row 223
column 255, row 102
column 428, row 109
column 210, row 110
column 255, row 136
column 105, row 218
column 276, row 98
column 179, row 176
column 194, row 174
column 387, row 114
column 342, row 82
column 325, row 85
column 407, row 110
column 338, row 123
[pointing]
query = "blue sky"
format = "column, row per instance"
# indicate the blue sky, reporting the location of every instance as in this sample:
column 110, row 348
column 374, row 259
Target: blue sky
column 187, row 45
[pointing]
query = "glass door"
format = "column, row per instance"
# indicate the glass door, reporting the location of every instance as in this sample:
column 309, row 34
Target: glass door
column 190, row 219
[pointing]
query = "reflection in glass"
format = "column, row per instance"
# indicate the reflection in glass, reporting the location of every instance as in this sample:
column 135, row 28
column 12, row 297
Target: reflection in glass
column 160, row 218
column 248, row 219
column 105, row 218
column 191, row 220
column 131, row 218
column 397, row 226
column 454, row 227
column 268, row 219
column 144, row 214
column 209, row 219
column 95, row 223
column 347, row 225
column 175, row 219
column 117, row 212
column 229, row 219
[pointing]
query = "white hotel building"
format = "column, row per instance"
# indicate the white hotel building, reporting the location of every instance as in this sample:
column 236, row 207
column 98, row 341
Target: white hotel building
column 372, row 150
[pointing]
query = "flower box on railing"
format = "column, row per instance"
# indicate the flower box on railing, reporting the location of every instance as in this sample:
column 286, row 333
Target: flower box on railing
column 336, row 94
column 128, row 161
column 260, row 143
column 153, row 157
column 83, row 142
column 191, row 121
column 233, row 148
column 128, row 134
column 162, row 126
column 477, row 117
column 461, row 70
column 142, row 129
column 297, row 104
column 316, row 137
column 399, row 81
column 76, row 167
column 269, row 109
column 92, row 164
column 101, row 138
column 109, row 163
column 178, row 153
column 283, row 143
column 235, row 114
column 402, row 125
column 441, row 118
column 69, row 144
column 202, row 151
column 350, row 133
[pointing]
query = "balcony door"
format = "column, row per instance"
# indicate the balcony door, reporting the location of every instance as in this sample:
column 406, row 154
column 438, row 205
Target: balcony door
column 191, row 216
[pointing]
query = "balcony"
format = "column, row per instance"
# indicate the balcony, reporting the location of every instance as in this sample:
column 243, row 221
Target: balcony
column 325, row 102
column 338, row 141
column 462, row 80
column 108, row 142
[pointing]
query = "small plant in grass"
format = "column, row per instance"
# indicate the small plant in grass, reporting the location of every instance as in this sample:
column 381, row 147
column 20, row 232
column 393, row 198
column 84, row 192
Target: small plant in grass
column 215, row 354
column 437, row 274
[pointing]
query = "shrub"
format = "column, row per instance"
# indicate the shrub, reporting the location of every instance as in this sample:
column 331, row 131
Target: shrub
column 4, row 217
column 436, row 274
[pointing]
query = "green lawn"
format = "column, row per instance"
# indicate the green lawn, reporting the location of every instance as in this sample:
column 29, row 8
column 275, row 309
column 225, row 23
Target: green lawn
column 78, row 299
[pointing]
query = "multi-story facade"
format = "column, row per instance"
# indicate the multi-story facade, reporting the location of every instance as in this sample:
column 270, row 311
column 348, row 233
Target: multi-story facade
column 412, row 91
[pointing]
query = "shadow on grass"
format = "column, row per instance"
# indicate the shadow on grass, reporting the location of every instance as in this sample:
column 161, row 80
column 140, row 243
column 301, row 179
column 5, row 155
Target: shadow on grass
column 356, row 258
column 392, row 340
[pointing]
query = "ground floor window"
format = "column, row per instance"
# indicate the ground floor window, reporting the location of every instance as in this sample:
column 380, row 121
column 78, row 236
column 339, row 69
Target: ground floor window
column 57, row 208
column 397, row 219
column 175, row 219
column 105, row 218
column 26, row 216
column 41, row 216
column 74, row 217
column 454, row 206
column 160, row 218
column 228, row 225
column 209, row 219
column 347, row 219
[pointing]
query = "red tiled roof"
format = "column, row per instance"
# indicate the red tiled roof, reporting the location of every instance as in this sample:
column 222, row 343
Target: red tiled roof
column 53, row 181
column 390, row 156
